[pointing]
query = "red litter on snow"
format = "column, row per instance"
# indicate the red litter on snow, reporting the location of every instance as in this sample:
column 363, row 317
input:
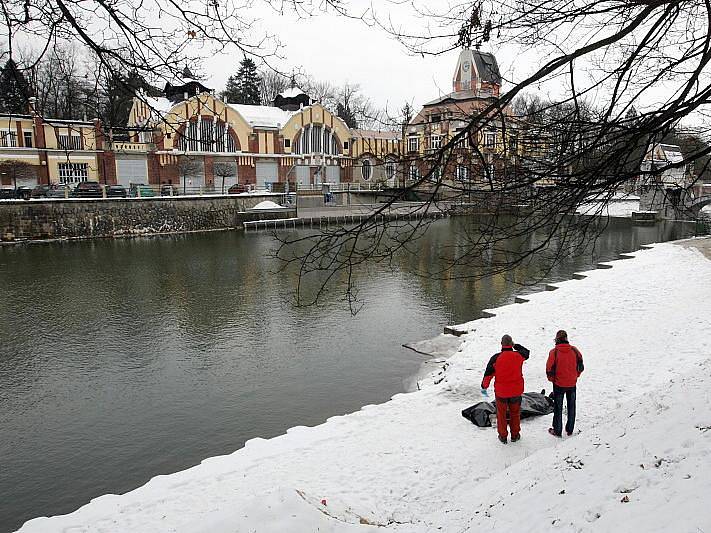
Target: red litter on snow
column 323, row 502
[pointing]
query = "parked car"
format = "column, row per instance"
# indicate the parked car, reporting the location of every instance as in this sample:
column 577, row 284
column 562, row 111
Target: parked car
column 115, row 191
column 23, row 193
column 7, row 194
column 168, row 190
column 88, row 189
column 40, row 191
column 59, row 190
column 237, row 188
column 141, row 190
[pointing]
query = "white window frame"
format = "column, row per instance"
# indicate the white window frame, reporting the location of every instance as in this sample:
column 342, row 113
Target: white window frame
column 8, row 138
column 461, row 143
column 462, row 173
column 366, row 170
column 413, row 144
column 73, row 172
column 490, row 139
column 413, row 173
column 25, row 136
column 436, row 142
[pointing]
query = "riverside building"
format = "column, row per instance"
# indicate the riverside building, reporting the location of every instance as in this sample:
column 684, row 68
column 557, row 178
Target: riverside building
column 193, row 140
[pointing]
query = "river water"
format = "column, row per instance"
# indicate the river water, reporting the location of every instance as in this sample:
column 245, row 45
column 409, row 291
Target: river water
column 124, row 359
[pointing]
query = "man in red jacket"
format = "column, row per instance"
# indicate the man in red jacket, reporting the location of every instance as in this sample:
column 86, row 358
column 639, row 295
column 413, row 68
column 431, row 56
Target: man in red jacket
column 564, row 366
column 507, row 367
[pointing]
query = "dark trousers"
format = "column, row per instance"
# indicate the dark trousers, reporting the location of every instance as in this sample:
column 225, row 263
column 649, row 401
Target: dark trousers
column 513, row 406
column 558, row 393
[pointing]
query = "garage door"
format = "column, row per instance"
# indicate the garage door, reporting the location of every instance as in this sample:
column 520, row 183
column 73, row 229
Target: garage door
column 302, row 175
column 267, row 172
column 194, row 176
column 131, row 169
column 333, row 174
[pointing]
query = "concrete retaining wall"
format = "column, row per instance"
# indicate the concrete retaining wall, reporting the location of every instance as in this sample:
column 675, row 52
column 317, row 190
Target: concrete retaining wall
column 78, row 219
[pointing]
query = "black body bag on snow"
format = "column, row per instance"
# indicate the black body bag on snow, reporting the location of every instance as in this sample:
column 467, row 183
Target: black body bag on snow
column 532, row 404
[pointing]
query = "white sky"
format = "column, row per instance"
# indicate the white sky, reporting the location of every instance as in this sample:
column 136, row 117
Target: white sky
column 337, row 49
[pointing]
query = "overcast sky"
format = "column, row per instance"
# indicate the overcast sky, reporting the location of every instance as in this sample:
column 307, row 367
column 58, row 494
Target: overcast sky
column 338, row 49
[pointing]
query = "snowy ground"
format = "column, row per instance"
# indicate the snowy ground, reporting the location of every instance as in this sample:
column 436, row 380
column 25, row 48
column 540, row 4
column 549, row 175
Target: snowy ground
column 415, row 465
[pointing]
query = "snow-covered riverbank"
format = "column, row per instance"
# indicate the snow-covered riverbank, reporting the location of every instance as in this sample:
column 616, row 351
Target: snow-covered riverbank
column 415, row 465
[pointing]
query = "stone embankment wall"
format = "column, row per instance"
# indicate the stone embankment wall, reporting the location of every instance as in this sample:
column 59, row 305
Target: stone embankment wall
column 79, row 218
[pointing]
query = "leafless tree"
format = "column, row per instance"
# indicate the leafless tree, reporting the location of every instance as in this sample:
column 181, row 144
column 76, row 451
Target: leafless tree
column 224, row 170
column 188, row 167
column 272, row 83
column 320, row 92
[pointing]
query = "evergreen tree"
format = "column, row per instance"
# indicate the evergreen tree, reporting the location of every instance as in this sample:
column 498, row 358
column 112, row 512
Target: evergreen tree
column 244, row 87
column 117, row 96
column 344, row 112
column 14, row 89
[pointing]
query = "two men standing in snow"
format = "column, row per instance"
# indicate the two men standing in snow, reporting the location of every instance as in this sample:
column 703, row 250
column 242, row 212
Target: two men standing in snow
column 564, row 366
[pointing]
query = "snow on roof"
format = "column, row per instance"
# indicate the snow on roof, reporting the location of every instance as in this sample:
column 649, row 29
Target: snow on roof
column 263, row 115
column 373, row 134
column 159, row 104
column 672, row 153
column 291, row 92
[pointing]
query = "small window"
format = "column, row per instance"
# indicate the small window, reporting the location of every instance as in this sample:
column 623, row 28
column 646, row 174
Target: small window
column 436, row 142
column 168, row 135
column 513, row 144
column 27, row 136
column 70, row 142
column 8, row 138
column 287, row 143
column 413, row 144
column 366, row 170
column 414, row 173
column 462, row 173
column 435, row 118
column 462, row 142
column 489, row 139
column 345, row 145
column 390, row 170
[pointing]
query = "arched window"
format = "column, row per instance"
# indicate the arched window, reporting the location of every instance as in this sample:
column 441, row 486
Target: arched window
column 316, row 139
column 366, row 170
column 206, row 136
column 390, row 170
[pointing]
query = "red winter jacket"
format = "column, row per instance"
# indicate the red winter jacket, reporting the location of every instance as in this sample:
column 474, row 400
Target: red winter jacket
column 507, row 367
column 565, row 364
